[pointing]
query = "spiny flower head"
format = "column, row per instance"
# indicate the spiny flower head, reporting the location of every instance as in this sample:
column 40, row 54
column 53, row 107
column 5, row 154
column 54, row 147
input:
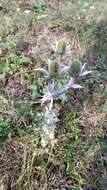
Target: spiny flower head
column 60, row 47
column 76, row 69
column 49, row 94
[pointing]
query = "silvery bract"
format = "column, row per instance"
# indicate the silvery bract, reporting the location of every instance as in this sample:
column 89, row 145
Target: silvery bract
column 49, row 94
column 71, row 85
column 83, row 71
column 43, row 71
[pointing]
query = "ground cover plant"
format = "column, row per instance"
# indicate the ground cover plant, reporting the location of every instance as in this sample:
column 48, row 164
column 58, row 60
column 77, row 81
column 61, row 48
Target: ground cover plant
column 53, row 95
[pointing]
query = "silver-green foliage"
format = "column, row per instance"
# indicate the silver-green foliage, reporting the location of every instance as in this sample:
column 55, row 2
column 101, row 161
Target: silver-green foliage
column 48, row 129
column 56, row 70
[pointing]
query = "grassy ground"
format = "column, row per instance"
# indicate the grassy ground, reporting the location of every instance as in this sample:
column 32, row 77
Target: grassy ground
column 78, row 158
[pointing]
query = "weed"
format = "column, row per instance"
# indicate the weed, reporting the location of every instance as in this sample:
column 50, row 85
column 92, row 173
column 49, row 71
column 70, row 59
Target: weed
column 39, row 7
column 6, row 130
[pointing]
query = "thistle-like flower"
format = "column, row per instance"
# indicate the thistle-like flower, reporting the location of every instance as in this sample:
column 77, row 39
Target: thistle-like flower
column 49, row 95
column 61, row 47
column 55, row 69
column 76, row 69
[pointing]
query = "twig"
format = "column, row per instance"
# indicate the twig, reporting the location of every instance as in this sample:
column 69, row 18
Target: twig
column 6, row 112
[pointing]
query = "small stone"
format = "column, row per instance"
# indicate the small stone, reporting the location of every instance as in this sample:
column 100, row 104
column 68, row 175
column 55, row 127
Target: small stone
column 27, row 11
